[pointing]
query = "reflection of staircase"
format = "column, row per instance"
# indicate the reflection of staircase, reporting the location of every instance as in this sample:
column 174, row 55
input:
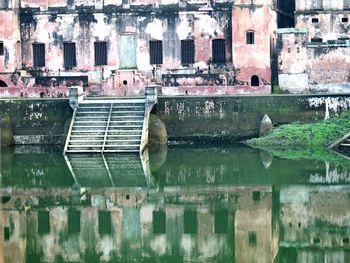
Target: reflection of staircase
column 107, row 126
column 121, row 170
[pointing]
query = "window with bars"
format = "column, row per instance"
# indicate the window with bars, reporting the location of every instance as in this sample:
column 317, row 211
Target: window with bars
column 346, row 4
column 221, row 222
column 1, row 48
column 187, row 51
column 73, row 221
column 104, row 223
column 69, row 55
column 250, row 35
column 316, row 4
column 190, row 222
column 156, row 52
column 219, row 51
column 159, row 222
column 100, row 53
column 43, row 222
column 39, row 55
column 252, row 238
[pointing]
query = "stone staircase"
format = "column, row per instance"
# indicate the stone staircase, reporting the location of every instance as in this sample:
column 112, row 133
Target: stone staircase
column 107, row 126
column 342, row 146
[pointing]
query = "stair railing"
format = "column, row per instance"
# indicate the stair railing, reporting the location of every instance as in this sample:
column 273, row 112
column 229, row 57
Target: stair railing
column 70, row 131
column 107, row 128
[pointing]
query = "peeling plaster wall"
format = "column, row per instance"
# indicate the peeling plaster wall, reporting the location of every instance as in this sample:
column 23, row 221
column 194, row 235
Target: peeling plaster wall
column 257, row 18
column 10, row 36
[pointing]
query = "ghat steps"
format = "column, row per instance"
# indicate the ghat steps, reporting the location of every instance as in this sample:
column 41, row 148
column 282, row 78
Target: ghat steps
column 108, row 126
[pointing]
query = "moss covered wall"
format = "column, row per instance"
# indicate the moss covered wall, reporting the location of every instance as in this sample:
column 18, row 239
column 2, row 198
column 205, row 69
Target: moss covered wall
column 208, row 119
column 192, row 119
column 39, row 121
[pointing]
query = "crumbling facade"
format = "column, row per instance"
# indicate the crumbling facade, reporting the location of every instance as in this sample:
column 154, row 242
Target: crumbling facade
column 117, row 47
column 314, row 56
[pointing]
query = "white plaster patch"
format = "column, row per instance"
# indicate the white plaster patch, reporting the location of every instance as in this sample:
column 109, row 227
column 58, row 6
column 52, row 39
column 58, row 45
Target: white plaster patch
column 101, row 29
column 155, row 29
column 333, row 105
column 158, row 244
column 183, row 30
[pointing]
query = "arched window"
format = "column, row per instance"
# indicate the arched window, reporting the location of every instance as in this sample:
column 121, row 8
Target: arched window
column 3, row 84
column 254, row 81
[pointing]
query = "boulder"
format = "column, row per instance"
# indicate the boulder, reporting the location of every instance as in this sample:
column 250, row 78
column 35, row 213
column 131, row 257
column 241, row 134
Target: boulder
column 157, row 133
column 265, row 126
column 6, row 131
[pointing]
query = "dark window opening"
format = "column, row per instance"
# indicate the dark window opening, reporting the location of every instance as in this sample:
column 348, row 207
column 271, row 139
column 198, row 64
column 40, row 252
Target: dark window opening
column 159, row 222
column 345, row 20
column 100, row 53
column 316, row 4
column 250, row 38
column 73, row 221
column 254, row 81
column 256, row 195
column 7, row 233
column 69, row 55
column 156, row 52
column 39, row 55
column 298, row 49
column 343, row 38
column 221, row 222
column 190, row 222
column 316, row 40
column 104, row 223
column 219, row 51
column 316, row 240
column 346, row 240
column 3, row 84
column 187, row 51
column 252, row 238
column 289, row 50
column 43, row 222
column 1, row 48
column 314, row 20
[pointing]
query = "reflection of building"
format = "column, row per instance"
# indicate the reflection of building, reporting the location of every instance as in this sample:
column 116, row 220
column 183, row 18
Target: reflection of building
column 196, row 46
column 198, row 224
column 315, row 55
column 315, row 224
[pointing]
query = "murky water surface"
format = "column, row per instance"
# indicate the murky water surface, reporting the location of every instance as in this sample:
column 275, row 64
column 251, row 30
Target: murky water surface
column 181, row 204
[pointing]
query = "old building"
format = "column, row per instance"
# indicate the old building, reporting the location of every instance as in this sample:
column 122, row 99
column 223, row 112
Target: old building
column 117, row 47
column 314, row 56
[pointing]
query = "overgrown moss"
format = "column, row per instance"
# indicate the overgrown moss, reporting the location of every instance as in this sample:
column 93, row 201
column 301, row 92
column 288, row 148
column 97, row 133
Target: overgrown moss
column 298, row 136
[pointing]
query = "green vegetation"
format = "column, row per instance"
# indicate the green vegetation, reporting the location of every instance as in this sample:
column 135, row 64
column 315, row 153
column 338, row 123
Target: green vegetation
column 299, row 136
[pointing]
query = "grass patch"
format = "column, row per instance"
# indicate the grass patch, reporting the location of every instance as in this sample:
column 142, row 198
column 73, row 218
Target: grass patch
column 299, row 136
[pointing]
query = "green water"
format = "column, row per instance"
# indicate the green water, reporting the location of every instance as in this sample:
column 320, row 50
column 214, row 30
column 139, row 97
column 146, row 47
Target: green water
column 176, row 204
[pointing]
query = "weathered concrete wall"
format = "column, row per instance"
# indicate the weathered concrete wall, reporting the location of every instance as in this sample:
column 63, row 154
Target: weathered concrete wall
column 208, row 119
column 191, row 119
column 38, row 121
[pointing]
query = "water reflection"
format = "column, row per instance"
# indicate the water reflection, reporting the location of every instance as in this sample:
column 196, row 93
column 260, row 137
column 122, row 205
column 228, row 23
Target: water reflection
column 206, row 205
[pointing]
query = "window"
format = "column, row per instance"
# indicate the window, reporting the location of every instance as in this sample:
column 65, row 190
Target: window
column 187, row 51
column 43, row 222
column 69, row 56
column 254, row 81
column 345, row 20
column 316, row 4
column 100, row 53
column 1, row 48
column 3, row 84
column 316, row 40
column 314, row 20
column 346, row 4
column 156, row 52
column 7, row 233
column 190, row 222
column 221, row 222
column 39, row 55
column 218, row 51
column 252, row 238
column 104, row 222
column 256, row 195
column 159, row 220
column 250, row 38
column 73, row 221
